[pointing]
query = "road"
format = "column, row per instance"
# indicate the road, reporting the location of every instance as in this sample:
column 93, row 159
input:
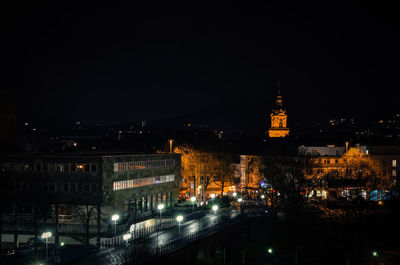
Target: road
column 163, row 237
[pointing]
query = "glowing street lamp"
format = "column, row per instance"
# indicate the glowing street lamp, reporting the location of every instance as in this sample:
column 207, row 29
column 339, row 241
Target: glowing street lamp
column 270, row 251
column 215, row 209
column 375, row 253
column 193, row 199
column 126, row 238
column 160, row 207
column 234, row 194
column 179, row 218
column 240, row 200
column 212, row 198
column 263, row 196
column 115, row 218
column 46, row 235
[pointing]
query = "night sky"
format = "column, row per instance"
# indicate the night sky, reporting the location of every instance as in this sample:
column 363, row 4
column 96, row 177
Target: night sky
column 129, row 62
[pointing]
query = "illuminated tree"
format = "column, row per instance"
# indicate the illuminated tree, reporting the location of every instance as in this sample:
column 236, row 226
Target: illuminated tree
column 349, row 187
column 291, row 178
column 203, row 169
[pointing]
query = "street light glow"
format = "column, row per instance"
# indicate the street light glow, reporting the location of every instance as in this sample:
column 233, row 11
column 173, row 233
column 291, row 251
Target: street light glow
column 215, row 208
column 375, row 254
column 213, row 195
column 115, row 217
column 179, row 218
column 262, row 196
column 240, row 200
column 270, row 250
column 46, row 235
column 160, row 207
column 193, row 199
column 234, row 194
column 126, row 237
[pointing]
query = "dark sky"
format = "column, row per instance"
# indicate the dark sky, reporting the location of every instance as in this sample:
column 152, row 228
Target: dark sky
column 131, row 62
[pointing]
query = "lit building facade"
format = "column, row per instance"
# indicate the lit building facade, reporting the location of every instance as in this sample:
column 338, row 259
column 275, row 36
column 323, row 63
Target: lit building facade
column 334, row 165
column 52, row 191
column 278, row 127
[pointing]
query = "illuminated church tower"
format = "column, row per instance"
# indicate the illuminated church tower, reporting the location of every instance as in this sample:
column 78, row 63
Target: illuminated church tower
column 278, row 119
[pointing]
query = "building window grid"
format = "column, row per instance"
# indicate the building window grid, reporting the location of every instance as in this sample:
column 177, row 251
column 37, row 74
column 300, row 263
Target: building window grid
column 136, row 165
column 133, row 183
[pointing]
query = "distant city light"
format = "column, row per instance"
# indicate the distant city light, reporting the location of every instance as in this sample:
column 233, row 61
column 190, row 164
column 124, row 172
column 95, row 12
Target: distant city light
column 270, row 250
column 375, row 253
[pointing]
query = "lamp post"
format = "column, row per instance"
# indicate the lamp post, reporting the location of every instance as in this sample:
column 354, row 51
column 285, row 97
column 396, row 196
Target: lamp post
column 179, row 218
column 159, row 207
column 193, row 199
column 115, row 218
column 240, row 200
column 214, row 208
column 46, row 235
column 126, row 238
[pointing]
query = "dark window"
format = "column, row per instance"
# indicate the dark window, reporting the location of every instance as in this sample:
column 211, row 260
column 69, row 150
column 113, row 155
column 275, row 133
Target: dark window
column 64, row 210
column 80, row 187
column 38, row 167
column 94, row 187
column 73, row 187
column 24, row 187
column 51, row 187
column 94, row 167
column 86, row 187
column 59, row 187
column 25, row 209
column 45, row 167
column 72, row 167
column 87, row 168
column 66, row 168
column 66, row 187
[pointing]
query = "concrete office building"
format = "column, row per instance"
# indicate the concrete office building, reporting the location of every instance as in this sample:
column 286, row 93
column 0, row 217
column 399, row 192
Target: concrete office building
column 57, row 192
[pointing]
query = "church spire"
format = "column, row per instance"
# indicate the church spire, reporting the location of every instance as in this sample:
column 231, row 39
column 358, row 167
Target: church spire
column 279, row 100
column 278, row 118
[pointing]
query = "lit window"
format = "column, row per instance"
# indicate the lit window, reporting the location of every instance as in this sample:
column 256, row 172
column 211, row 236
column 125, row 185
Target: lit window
column 394, row 172
column 79, row 168
column 394, row 163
